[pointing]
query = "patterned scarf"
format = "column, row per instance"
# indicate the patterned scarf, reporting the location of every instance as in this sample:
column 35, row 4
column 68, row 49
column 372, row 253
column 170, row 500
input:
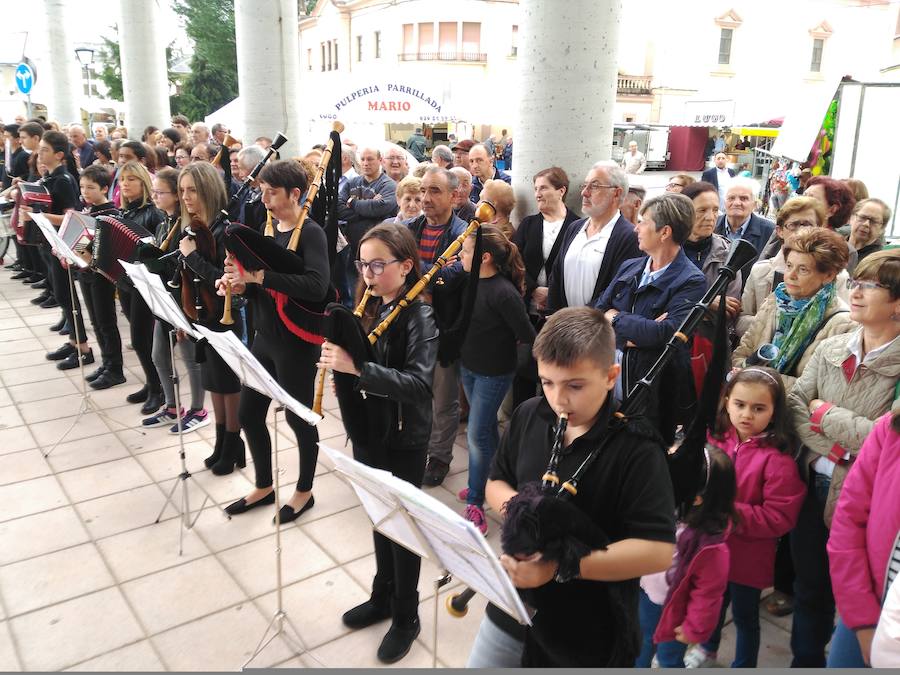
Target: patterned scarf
column 796, row 323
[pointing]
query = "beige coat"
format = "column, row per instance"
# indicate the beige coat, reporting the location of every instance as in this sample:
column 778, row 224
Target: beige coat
column 762, row 330
column 857, row 404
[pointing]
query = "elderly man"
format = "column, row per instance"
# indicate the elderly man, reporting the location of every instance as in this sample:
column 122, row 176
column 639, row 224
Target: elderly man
column 739, row 221
column 219, row 131
column 631, row 207
column 201, row 153
column 481, row 163
column 461, row 153
column 594, row 247
column 462, row 207
column 634, row 161
column 394, row 163
column 442, row 156
column 199, row 133
column 366, row 200
column 434, row 230
column 720, row 176
column 82, row 144
column 250, row 211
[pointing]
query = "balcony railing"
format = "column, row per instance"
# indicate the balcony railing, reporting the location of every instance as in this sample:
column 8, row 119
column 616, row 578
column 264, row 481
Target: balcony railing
column 634, row 85
column 475, row 57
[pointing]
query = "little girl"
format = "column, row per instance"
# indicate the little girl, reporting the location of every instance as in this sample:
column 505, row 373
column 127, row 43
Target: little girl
column 488, row 363
column 753, row 429
column 682, row 605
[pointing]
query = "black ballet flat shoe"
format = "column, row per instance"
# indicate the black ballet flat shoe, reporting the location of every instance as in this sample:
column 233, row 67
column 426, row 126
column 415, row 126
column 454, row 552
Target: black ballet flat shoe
column 241, row 505
column 62, row 353
column 155, row 400
column 287, row 515
column 139, row 396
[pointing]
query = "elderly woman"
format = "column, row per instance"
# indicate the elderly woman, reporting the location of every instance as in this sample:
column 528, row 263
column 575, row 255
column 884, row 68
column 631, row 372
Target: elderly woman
column 835, row 195
column 867, row 226
column 678, row 182
column 501, row 195
column 539, row 236
column 648, row 300
column 706, row 249
column 409, row 199
column 848, row 384
column 804, row 309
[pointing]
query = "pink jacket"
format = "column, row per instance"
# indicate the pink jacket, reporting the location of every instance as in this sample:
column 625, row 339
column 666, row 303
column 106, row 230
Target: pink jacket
column 768, row 500
column 697, row 600
column 865, row 527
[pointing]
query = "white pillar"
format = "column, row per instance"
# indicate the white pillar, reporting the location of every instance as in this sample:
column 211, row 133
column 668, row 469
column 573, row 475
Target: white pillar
column 567, row 70
column 145, row 81
column 268, row 70
column 65, row 70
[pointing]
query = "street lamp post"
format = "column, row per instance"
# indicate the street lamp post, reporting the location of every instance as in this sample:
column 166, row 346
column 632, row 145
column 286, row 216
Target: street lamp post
column 86, row 58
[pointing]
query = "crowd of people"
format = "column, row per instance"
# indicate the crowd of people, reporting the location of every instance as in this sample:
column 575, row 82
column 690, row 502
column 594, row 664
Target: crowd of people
column 569, row 315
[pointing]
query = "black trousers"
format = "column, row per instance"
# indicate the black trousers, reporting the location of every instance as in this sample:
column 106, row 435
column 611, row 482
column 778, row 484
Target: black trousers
column 100, row 299
column 141, row 319
column 63, row 292
column 394, row 564
column 293, row 365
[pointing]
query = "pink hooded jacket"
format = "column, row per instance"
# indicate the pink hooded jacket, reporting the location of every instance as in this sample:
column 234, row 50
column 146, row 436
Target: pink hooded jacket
column 865, row 527
column 768, row 500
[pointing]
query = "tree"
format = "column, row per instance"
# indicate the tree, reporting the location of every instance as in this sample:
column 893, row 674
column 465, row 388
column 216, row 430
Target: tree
column 111, row 71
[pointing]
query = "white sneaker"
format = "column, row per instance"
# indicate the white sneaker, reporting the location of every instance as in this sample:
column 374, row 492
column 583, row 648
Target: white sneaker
column 696, row 657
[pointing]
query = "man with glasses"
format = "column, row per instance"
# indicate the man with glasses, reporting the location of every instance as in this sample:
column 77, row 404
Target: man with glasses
column 594, row 247
column 394, row 163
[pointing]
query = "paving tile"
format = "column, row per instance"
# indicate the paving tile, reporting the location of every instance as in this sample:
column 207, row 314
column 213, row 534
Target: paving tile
column 150, row 549
column 359, row 648
column 332, row 496
column 345, row 536
column 220, row 642
column 9, row 662
column 165, row 463
column 52, row 578
column 86, row 452
column 455, row 635
column 102, row 479
column 62, row 635
column 151, row 439
column 41, row 533
column 223, row 489
column 38, row 373
column 22, row 465
column 31, row 394
column 180, row 594
column 49, row 432
column 253, row 564
column 124, row 511
column 330, row 427
column 137, row 657
column 17, row 346
column 363, row 571
column 9, row 417
column 30, row 496
column 30, row 358
column 21, row 333
column 220, row 534
column 52, row 408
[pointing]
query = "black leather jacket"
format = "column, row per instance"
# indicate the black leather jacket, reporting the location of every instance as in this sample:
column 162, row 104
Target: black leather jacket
column 147, row 216
column 403, row 372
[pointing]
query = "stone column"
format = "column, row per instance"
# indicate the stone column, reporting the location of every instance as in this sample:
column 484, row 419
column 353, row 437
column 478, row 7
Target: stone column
column 567, row 91
column 65, row 70
column 268, row 71
column 145, row 81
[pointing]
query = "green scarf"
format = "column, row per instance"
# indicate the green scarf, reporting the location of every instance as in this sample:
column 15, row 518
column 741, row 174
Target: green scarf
column 796, row 323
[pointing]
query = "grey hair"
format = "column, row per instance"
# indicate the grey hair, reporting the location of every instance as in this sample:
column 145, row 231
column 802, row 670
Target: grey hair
column 461, row 174
column 360, row 151
column 250, row 156
column 443, row 152
column 616, row 175
column 452, row 179
column 885, row 209
column 746, row 184
column 483, row 147
column 638, row 190
column 672, row 209
column 348, row 154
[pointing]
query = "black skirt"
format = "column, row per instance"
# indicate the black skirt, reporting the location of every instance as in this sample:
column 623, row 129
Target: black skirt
column 217, row 377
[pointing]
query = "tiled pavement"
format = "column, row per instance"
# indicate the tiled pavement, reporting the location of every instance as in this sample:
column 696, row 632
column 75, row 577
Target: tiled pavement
column 88, row 581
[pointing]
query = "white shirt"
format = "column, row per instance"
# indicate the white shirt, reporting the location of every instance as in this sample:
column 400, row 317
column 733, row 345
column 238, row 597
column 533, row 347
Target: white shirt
column 583, row 261
column 551, row 231
column 649, row 276
column 723, row 178
column 635, row 163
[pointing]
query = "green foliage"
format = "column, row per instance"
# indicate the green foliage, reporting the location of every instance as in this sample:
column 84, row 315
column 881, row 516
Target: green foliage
column 111, row 70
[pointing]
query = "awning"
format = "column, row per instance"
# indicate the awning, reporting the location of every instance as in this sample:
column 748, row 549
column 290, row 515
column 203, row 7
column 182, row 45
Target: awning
column 770, row 132
column 803, row 116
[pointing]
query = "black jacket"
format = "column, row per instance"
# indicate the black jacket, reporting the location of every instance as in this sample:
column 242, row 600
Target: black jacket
column 402, row 372
column 622, row 246
column 529, row 237
column 147, row 216
column 711, row 176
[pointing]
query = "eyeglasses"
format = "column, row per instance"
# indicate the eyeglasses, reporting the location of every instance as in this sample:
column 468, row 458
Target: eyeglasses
column 853, row 284
column 792, row 225
column 377, row 266
column 157, row 193
column 594, row 186
column 867, row 219
column 669, row 186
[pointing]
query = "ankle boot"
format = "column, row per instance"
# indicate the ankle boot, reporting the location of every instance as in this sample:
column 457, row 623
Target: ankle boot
column 404, row 628
column 217, row 450
column 233, row 452
column 376, row 608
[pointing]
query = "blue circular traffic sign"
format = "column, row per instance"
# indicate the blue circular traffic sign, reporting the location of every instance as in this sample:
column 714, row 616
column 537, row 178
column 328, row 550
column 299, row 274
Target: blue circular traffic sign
column 24, row 78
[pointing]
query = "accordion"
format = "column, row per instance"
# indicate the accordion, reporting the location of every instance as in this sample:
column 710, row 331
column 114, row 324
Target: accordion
column 77, row 231
column 36, row 196
column 116, row 240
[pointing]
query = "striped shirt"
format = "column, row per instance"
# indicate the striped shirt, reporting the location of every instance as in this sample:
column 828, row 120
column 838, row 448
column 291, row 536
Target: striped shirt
column 428, row 243
column 893, row 569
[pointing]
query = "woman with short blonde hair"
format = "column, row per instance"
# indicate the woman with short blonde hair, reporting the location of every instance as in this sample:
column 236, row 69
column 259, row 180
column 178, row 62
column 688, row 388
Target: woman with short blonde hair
column 501, row 195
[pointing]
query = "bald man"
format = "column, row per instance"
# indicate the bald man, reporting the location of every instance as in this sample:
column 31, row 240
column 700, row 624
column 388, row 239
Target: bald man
column 83, row 145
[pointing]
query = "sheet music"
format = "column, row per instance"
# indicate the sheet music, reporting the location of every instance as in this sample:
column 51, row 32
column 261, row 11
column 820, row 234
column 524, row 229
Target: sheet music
column 57, row 244
column 158, row 299
column 252, row 373
column 456, row 543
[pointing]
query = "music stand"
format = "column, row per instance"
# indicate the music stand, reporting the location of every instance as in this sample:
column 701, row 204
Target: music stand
column 254, row 375
column 419, row 522
column 73, row 259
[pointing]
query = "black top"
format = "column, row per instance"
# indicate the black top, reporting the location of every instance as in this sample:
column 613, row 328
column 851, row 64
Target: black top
column 698, row 251
column 18, row 165
column 529, row 237
column 628, row 493
column 63, row 189
column 499, row 320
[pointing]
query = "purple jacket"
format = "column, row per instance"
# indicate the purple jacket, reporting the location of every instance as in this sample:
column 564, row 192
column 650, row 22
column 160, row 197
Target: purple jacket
column 865, row 527
column 768, row 500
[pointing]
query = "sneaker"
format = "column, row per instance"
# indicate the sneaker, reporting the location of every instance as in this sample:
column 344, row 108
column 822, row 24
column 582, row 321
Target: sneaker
column 435, row 472
column 475, row 515
column 165, row 416
column 696, row 657
column 192, row 420
column 463, row 495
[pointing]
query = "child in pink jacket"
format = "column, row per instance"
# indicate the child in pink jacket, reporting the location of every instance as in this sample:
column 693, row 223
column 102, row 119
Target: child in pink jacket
column 753, row 429
column 864, row 544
